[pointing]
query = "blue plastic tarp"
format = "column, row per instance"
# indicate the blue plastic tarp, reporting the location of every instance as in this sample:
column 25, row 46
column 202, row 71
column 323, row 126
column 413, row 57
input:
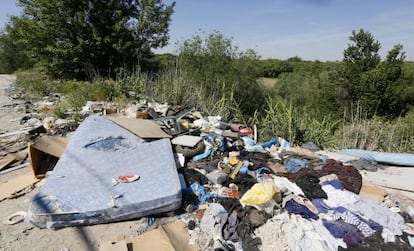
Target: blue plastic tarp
column 399, row 159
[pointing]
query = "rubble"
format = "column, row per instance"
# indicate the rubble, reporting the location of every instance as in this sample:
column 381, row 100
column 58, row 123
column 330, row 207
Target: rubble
column 237, row 193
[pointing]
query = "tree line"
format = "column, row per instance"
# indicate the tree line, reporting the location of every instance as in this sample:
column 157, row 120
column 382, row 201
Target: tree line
column 86, row 38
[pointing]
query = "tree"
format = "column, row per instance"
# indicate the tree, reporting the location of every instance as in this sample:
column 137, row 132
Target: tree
column 75, row 38
column 370, row 82
column 360, row 56
column 7, row 54
column 214, row 61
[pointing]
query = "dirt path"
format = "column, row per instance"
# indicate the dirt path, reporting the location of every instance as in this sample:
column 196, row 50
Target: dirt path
column 9, row 114
column 24, row 236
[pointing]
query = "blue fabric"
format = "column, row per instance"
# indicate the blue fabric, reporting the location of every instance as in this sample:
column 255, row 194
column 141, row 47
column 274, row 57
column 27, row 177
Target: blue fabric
column 373, row 224
column 353, row 240
column 270, row 143
column 323, row 208
column 294, row 165
column 244, row 169
column 295, row 208
column 263, row 170
column 198, row 190
column 320, row 205
column 248, row 141
column 335, row 183
column 342, row 230
column 353, row 219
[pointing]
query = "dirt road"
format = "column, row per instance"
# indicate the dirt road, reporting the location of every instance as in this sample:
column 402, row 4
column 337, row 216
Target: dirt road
column 9, row 115
column 24, row 236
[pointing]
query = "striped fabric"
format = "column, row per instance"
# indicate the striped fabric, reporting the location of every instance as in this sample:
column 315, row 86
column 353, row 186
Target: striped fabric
column 352, row 219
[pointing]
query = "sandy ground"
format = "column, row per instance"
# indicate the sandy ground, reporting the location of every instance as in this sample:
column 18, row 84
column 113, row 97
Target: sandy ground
column 24, row 236
column 8, row 107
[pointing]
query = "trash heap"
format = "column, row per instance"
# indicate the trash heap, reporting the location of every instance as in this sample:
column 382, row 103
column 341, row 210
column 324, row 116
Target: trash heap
column 240, row 193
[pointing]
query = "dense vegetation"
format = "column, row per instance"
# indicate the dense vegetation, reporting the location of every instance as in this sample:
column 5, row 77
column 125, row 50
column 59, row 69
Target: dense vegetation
column 76, row 39
column 364, row 101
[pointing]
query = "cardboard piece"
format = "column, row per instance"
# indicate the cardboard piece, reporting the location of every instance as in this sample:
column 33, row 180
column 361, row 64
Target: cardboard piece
column 143, row 128
column 16, row 184
column 44, row 154
column 155, row 239
column 22, row 155
column 178, row 234
column 371, row 192
column 114, row 246
column 170, row 237
column 186, row 140
column 6, row 161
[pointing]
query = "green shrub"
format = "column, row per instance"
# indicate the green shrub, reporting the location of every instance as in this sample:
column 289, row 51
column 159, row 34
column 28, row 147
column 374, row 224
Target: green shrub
column 34, row 81
column 378, row 134
column 104, row 89
column 59, row 110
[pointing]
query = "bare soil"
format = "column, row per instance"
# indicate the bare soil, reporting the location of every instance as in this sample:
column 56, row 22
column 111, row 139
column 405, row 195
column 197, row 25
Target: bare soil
column 24, row 236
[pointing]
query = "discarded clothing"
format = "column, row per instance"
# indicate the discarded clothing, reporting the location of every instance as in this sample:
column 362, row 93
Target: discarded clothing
column 208, row 165
column 349, row 233
column 348, row 175
column 274, row 233
column 192, row 176
column 337, row 197
column 258, row 160
column 305, row 202
column 375, row 242
column 294, row 165
column 352, row 219
column 379, row 214
column 260, row 146
column 320, row 205
column 295, row 208
column 213, row 221
column 251, row 218
column 285, row 185
column 328, row 177
column 309, row 184
column 230, row 204
column 311, row 235
column 310, row 146
column 198, row 190
column 335, row 183
column 244, row 183
column 230, row 228
column 363, row 164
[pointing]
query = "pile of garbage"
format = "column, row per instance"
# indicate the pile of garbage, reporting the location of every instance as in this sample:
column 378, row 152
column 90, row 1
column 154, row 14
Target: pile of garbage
column 240, row 193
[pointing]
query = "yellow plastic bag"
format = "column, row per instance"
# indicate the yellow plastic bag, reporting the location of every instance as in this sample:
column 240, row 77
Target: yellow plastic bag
column 260, row 194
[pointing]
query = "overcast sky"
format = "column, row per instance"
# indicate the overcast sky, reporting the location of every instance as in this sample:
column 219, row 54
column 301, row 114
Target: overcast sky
column 311, row 29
